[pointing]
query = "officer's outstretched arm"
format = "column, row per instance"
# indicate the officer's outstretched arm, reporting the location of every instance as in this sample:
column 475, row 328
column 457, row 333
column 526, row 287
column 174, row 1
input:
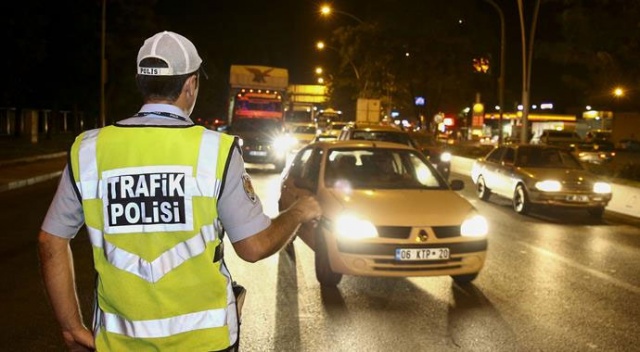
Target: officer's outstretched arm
column 56, row 264
column 282, row 228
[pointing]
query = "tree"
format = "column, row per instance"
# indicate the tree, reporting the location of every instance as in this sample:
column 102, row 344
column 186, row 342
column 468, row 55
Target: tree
column 597, row 50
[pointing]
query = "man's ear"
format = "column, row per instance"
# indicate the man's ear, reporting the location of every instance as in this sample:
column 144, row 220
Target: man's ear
column 189, row 86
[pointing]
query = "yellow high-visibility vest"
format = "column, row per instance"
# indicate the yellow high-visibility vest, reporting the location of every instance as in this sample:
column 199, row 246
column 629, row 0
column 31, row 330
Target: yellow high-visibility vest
column 149, row 195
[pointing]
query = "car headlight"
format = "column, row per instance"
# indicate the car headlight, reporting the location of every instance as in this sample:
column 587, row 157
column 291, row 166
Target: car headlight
column 352, row 227
column 281, row 143
column 445, row 156
column 601, row 187
column 474, row 226
column 549, row 186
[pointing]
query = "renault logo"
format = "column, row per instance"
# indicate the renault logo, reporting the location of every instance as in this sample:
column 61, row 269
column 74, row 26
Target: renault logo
column 422, row 236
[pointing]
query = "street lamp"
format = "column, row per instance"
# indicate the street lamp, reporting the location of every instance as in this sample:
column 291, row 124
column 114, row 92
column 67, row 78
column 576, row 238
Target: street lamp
column 319, row 70
column 320, row 45
column 618, row 92
column 326, row 10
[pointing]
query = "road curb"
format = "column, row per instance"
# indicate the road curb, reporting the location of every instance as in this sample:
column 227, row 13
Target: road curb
column 29, row 181
column 31, row 159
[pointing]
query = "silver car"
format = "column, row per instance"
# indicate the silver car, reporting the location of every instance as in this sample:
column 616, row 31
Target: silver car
column 539, row 175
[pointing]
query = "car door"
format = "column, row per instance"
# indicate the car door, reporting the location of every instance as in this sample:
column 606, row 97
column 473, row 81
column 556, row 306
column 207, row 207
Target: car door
column 505, row 176
column 288, row 191
column 302, row 180
column 490, row 168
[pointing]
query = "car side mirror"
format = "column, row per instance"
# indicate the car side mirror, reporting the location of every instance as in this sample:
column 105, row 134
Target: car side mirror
column 456, row 185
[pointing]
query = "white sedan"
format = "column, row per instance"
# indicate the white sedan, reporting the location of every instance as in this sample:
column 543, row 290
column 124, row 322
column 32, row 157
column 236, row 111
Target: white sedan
column 386, row 212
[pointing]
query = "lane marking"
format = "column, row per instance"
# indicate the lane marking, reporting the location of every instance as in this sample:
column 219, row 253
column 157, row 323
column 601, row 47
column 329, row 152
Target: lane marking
column 575, row 265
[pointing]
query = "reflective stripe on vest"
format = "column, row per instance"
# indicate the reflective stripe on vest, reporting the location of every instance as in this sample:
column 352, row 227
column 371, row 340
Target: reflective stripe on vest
column 155, row 270
column 163, row 327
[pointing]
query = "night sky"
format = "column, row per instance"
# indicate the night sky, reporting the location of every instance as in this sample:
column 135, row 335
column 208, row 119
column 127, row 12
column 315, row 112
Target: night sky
column 51, row 51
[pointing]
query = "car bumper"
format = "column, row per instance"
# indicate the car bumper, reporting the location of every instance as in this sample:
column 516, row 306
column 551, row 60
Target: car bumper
column 378, row 259
column 570, row 200
column 262, row 156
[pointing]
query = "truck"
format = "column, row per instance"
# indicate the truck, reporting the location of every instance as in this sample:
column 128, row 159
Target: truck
column 256, row 113
column 368, row 110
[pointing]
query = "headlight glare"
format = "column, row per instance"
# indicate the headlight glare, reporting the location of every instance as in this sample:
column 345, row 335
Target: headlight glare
column 445, row 156
column 281, row 143
column 352, row 227
column 549, row 186
column 474, row 226
column 601, row 187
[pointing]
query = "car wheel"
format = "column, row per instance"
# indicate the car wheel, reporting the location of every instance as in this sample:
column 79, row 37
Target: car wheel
column 596, row 212
column 324, row 274
column 464, row 279
column 483, row 192
column 521, row 202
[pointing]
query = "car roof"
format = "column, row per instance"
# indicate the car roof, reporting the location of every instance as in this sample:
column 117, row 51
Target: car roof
column 353, row 143
column 372, row 126
column 533, row 146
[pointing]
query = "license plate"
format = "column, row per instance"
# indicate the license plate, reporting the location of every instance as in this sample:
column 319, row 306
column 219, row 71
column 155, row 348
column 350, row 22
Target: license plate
column 412, row 254
column 577, row 198
column 257, row 153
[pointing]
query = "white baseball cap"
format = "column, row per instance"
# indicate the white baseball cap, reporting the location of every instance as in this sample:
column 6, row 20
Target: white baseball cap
column 176, row 51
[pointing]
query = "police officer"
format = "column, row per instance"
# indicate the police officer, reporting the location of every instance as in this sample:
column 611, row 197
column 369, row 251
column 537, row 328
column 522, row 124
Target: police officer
column 156, row 193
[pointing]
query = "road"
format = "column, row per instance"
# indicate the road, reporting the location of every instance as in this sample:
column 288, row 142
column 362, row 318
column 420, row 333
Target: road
column 554, row 281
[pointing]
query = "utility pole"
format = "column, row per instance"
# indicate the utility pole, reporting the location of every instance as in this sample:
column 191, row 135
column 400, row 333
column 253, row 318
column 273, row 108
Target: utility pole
column 103, row 63
column 503, row 41
column 526, row 66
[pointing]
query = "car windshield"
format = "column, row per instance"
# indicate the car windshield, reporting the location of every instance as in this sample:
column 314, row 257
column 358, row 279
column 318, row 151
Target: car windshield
column 385, row 136
column 546, row 158
column 304, row 129
column 376, row 168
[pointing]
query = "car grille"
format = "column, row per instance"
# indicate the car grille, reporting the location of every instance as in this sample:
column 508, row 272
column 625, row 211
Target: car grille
column 399, row 232
column 389, row 249
column 393, row 265
column 403, row 232
column 577, row 186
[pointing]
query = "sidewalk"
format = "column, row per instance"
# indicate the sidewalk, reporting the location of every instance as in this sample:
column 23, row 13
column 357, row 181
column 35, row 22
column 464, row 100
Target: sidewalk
column 23, row 163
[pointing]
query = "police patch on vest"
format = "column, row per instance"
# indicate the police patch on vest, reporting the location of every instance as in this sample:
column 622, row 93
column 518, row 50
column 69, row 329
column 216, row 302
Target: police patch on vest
column 154, row 201
column 248, row 188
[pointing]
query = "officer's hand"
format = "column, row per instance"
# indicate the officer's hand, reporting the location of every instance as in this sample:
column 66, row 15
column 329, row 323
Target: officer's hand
column 308, row 208
column 79, row 339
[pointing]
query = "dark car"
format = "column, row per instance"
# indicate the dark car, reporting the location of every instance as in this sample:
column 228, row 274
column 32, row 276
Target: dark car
column 539, row 175
column 630, row 145
column 390, row 133
column 263, row 141
column 595, row 152
column 435, row 151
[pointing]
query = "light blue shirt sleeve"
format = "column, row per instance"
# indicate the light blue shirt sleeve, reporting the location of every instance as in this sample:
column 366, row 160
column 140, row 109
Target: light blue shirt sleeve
column 64, row 217
column 241, row 216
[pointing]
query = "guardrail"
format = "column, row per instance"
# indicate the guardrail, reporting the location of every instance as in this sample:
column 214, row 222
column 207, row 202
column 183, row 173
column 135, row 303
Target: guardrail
column 625, row 197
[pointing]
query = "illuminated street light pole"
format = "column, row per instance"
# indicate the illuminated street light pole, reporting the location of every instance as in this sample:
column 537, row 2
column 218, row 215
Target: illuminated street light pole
column 502, row 65
column 321, row 46
column 326, row 10
column 526, row 66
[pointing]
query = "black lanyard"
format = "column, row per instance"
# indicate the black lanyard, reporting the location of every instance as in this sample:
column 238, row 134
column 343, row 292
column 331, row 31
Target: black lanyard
column 161, row 113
